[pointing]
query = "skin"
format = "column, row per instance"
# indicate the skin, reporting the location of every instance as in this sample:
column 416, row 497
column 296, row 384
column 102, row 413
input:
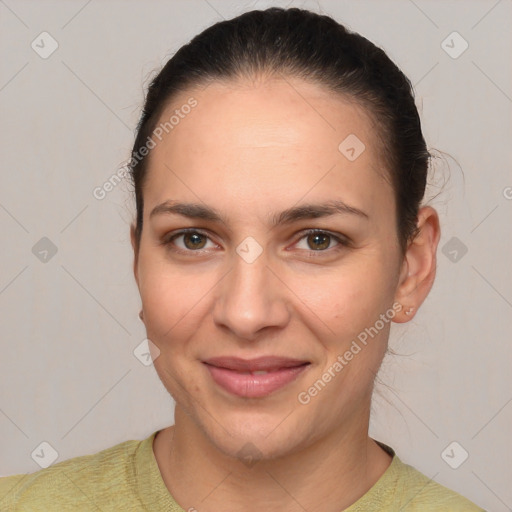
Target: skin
column 248, row 149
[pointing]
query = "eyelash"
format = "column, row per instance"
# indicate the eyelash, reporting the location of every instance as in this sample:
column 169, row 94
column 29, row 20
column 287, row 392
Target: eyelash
column 342, row 242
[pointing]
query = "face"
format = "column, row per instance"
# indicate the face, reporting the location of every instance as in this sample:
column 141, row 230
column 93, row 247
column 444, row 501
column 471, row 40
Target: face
column 253, row 282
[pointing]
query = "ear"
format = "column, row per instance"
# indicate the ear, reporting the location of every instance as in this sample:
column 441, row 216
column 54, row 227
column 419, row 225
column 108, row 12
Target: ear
column 419, row 265
column 135, row 248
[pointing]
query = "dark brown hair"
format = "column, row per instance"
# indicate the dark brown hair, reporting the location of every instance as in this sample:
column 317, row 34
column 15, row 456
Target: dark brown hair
column 300, row 43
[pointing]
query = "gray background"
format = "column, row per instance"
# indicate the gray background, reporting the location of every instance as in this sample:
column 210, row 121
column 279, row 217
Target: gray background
column 69, row 324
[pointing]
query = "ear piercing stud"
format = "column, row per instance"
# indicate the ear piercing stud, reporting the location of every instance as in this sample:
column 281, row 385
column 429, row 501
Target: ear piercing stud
column 408, row 312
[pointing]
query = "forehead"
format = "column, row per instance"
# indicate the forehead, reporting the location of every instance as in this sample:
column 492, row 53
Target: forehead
column 249, row 139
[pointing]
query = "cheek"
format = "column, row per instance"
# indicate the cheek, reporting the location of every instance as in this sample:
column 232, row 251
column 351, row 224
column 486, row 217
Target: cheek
column 349, row 298
column 171, row 302
column 167, row 295
column 176, row 299
column 169, row 311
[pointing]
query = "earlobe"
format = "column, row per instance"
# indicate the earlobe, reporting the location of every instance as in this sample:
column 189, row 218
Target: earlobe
column 419, row 266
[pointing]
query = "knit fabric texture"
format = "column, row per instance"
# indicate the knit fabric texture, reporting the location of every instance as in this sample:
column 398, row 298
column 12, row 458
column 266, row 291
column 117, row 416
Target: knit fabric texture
column 126, row 477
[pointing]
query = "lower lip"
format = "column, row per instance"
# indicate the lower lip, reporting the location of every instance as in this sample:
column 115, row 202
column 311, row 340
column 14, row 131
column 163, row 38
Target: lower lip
column 254, row 386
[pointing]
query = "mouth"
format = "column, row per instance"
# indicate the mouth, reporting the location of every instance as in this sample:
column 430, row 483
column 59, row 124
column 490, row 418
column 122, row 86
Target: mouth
column 254, row 378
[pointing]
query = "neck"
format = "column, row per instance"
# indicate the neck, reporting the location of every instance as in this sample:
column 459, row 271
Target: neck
column 330, row 474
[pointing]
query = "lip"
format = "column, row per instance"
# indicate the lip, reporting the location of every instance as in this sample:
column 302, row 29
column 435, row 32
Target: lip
column 233, row 374
column 264, row 363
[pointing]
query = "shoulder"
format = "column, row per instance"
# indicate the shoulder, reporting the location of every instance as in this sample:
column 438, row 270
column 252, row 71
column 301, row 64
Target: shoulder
column 403, row 487
column 86, row 482
column 420, row 493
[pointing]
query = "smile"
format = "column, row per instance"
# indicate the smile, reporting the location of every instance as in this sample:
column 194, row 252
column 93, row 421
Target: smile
column 255, row 383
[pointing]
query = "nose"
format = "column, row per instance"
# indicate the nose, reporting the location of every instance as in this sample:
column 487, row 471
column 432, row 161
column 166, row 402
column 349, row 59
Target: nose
column 250, row 298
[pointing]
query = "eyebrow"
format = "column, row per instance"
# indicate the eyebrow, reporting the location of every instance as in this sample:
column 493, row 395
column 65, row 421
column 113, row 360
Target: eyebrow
column 294, row 214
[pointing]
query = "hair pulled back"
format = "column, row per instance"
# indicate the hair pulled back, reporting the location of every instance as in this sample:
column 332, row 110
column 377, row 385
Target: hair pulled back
column 300, row 43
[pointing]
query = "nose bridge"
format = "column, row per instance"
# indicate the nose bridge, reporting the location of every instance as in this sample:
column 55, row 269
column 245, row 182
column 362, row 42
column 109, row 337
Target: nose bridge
column 249, row 297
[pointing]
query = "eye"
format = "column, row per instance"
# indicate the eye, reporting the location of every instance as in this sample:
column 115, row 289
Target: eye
column 320, row 241
column 192, row 240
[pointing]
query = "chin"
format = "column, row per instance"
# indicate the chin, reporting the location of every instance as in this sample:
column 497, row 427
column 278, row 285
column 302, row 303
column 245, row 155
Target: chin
column 251, row 449
column 255, row 436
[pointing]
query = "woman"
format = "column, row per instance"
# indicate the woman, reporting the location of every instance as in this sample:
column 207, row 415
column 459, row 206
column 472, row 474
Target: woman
column 279, row 168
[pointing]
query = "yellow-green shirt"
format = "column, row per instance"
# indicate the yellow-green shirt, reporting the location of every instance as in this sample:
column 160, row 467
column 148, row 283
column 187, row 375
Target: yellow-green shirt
column 126, row 478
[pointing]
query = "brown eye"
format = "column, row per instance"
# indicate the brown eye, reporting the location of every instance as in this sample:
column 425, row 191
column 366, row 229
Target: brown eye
column 187, row 241
column 193, row 240
column 318, row 241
